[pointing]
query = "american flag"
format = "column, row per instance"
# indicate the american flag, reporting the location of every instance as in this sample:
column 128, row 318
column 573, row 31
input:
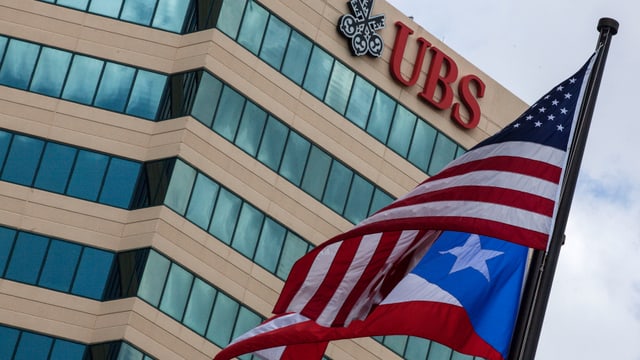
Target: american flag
column 506, row 187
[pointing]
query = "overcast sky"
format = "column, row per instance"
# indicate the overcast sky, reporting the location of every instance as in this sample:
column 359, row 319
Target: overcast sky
column 530, row 46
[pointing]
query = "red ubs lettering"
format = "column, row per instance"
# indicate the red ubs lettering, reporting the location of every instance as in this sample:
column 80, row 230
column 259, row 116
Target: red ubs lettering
column 441, row 76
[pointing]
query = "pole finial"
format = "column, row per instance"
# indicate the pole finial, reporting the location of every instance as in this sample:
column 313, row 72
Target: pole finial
column 610, row 23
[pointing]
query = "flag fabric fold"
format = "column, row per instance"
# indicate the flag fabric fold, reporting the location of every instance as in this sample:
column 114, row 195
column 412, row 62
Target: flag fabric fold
column 506, row 187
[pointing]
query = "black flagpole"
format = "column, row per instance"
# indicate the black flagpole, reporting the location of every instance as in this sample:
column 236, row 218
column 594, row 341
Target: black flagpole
column 543, row 265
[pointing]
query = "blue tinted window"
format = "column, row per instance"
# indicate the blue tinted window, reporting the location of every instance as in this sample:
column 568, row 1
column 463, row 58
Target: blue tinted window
column 33, row 346
column 22, row 161
column 273, row 141
column 8, row 339
column 55, row 167
column 128, row 352
column 50, row 72
column 202, row 201
column 444, row 152
column 114, row 87
column 247, row 320
column 199, row 307
column 438, row 351
column 339, row 87
column 176, row 292
column 360, row 102
column 422, row 145
column 60, row 265
column 253, row 25
column 381, row 115
column 170, row 15
column 295, row 157
column 270, row 244
column 417, row 348
column 247, row 230
column 153, row 278
column 230, row 17
column 106, row 7
column 294, row 248
column 27, row 256
column 3, row 45
column 397, row 343
column 206, row 101
column 250, row 130
column 316, row 173
column 275, row 42
column 359, row 200
column 87, row 175
column 6, row 242
column 119, row 182
column 337, row 188
column 146, row 93
column 5, row 139
column 225, row 216
column 297, row 57
column 67, row 350
column 401, row 130
column 82, row 79
column 138, row 11
column 228, row 114
column 76, row 4
column 380, row 200
column 93, row 271
column 316, row 80
column 180, row 187
column 19, row 60
column 222, row 318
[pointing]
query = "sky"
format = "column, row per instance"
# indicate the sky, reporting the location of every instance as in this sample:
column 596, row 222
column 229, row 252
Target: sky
column 529, row 47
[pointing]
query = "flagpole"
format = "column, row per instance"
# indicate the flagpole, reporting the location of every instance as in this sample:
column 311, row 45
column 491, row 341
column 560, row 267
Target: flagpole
column 543, row 265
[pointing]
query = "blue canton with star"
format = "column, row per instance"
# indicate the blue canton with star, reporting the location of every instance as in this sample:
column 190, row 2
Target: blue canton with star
column 549, row 120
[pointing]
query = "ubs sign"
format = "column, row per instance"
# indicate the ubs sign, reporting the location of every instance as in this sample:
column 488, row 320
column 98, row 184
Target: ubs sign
column 442, row 73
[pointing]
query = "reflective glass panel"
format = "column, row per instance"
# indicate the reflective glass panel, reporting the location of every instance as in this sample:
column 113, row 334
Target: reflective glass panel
column 202, row 201
column 199, row 307
column 146, row 93
column 93, row 271
column 444, row 152
column 272, row 145
column 67, row 350
column 275, row 42
column 417, row 348
column 247, row 320
column 316, row 173
column 128, row 352
column 76, row 4
column 458, row 356
column 401, row 130
column 50, row 72
column 225, row 216
column 22, row 160
column 176, row 292
column 380, row 116
column 250, row 130
column 338, row 183
column 438, row 351
column 180, row 187
column 87, row 175
column 222, row 320
column 228, row 114
column 297, row 57
column 253, row 25
column 153, row 278
column 106, row 7
column 170, row 15
column 120, row 182
column 359, row 200
column 3, row 45
column 230, row 17
column 26, row 258
column 422, row 145
column 19, row 60
column 33, row 346
column 206, row 101
column 380, row 200
column 316, row 80
column 55, row 167
column 396, row 343
column 60, row 265
column 360, row 102
column 6, row 242
column 138, row 11
column 247, row 231
column 295, row 157
column 5, row 138
column 8, row 339
column 82, row 79
column 114, row 87
column 270, row 244
column 294, row 248
column 339, row 87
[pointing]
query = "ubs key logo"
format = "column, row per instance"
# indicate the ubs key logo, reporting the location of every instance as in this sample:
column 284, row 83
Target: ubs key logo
column 361, row 28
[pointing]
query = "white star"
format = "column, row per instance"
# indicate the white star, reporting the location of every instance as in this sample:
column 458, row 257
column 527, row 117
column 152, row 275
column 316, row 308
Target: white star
column 537, row 123
column 551, row 117
column 560, row 127
column 555, row 102
column 560, row 88
column 564, row 111
column 572, row 80
column 567, row 96
column 542, row 109
column 472, row 255
column 529, row 117
column 547, row 96
column 516, row 125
